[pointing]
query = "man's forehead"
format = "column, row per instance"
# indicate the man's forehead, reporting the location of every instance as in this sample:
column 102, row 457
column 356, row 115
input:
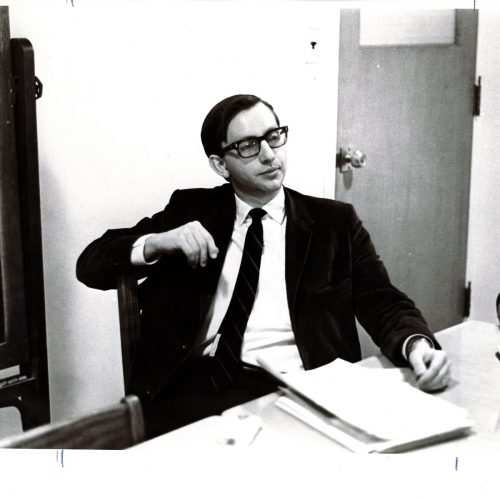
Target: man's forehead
column 252, row 122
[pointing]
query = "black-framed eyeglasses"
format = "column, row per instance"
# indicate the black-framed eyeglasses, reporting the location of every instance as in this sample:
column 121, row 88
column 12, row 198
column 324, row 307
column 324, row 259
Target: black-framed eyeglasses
column 249, row 147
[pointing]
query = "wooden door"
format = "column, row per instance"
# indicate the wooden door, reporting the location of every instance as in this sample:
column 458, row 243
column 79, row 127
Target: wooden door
column 410, row 110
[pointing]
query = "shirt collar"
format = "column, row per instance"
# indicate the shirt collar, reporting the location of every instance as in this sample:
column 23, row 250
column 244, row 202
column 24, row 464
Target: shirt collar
column 274, row 208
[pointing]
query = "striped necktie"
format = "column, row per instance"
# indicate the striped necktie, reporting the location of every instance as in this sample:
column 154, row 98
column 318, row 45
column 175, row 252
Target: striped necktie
column 226, row 349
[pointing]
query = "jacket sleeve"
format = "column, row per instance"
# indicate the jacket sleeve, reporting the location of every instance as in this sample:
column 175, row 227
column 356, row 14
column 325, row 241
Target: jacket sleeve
column 109, row 256
column 386, row 313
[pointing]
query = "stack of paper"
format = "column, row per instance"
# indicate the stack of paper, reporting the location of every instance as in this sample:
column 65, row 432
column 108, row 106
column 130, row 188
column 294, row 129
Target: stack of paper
column 367, row 409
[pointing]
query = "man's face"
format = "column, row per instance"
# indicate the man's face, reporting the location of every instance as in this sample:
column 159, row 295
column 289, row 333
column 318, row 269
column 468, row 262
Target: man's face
column 258, row 178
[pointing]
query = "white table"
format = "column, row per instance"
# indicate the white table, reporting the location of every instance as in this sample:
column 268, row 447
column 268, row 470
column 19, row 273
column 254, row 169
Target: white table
column 475, row 385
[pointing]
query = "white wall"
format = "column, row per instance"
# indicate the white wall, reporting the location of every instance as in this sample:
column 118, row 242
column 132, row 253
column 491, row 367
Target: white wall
column 483, row 263
column 126, row 87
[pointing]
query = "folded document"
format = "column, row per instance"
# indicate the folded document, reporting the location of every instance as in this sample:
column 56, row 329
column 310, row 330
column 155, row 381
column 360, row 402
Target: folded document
column 367, row 409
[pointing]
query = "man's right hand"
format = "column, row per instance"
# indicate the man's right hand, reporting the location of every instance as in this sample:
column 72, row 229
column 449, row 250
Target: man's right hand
column 192, row 239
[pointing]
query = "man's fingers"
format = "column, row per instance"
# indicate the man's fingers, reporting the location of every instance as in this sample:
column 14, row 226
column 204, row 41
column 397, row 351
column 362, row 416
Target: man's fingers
column 418, row 365
column 212, row 247
column 432, row 369
column 192, row 239
column 437, row 373
column 191, row 249
column 443, row 376
column 202, row 247
column 435, row 384
column 209, row 246
column 208, row 242
column 200, row 244
column 420, row 359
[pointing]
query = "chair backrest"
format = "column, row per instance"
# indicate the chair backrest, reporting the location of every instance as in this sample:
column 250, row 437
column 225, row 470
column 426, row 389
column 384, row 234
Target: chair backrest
column 128, row 308
column 112, row 428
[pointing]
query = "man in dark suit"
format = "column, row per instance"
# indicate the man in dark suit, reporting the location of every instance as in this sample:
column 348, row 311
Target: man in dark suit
column 250, row 265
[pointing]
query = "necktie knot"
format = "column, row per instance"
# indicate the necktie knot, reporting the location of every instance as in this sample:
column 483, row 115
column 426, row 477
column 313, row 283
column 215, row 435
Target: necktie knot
column 257, row 213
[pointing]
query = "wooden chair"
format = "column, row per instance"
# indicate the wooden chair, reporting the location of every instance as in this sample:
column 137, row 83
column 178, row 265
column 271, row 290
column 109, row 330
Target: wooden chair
column 115, row 427
column 129, row 314
column 23, row 349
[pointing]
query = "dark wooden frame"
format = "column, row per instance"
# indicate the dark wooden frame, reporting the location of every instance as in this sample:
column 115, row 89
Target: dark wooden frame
column 22, row 316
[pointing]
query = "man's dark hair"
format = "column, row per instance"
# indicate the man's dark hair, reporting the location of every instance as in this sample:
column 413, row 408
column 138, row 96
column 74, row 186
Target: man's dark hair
column 216, row 123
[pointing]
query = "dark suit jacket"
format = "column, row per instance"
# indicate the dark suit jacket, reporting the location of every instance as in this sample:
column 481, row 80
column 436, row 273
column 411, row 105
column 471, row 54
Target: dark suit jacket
column 332, row 275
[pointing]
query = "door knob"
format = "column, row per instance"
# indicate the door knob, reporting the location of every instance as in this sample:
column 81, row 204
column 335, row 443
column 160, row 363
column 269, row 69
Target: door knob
column 348, row 158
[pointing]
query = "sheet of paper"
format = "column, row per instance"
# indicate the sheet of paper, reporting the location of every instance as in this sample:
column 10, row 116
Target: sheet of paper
column 283, row 358
column 375, row 400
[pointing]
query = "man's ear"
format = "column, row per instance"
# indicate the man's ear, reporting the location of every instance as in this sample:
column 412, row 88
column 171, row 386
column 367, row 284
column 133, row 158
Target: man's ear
column 218, row 166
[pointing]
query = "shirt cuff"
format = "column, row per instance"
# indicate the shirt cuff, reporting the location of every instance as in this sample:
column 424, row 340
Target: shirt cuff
column 137, row 254
column 411, row 340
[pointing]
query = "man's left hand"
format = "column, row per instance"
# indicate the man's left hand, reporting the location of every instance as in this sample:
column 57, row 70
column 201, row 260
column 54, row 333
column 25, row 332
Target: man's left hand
column 431, row 367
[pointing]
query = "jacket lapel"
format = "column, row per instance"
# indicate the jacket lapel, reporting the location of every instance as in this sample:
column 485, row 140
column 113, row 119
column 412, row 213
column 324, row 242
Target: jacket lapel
column 298, row 238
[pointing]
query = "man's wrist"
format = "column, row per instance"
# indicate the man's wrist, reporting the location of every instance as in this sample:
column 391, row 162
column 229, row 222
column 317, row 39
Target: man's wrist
column 138, row 255
column 411, row 343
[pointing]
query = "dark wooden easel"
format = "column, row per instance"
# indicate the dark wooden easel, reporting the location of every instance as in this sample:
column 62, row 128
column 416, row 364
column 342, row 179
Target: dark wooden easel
column 22, row 304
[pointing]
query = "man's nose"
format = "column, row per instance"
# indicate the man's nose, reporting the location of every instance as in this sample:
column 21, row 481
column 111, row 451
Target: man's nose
column 266, row 154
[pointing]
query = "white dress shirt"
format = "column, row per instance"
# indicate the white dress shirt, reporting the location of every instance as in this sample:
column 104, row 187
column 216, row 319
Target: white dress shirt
column 269, row 322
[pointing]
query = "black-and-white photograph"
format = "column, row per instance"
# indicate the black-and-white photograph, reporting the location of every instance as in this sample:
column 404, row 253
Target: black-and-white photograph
column 255, row 233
